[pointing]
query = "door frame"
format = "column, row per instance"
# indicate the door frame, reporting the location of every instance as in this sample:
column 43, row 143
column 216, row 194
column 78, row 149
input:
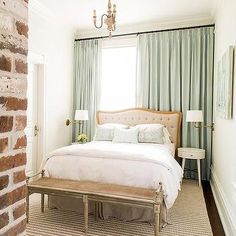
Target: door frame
column 40, row 61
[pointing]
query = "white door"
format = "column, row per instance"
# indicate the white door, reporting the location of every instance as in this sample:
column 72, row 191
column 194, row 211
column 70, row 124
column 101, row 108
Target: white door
column 32, row 119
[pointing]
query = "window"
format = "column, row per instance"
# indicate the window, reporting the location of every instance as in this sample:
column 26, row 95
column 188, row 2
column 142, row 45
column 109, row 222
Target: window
column 118, row 78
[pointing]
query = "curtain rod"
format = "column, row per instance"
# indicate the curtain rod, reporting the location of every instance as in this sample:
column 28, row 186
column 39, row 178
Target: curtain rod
column 146, row 32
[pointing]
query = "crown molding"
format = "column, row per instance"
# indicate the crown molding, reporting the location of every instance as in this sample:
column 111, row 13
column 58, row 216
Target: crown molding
column 150, row 26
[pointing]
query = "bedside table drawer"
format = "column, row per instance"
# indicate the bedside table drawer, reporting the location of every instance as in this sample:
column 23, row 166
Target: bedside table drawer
column 191, row 153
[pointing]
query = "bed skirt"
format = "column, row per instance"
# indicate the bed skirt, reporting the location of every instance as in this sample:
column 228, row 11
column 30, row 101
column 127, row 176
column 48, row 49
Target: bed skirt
column 107, row 210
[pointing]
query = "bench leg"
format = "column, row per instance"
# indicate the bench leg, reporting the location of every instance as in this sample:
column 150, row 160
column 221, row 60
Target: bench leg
column 85, row 200
column 96, row 210
column 27, row 207
column 156, row 219
column 160, row 219
column 42, row 202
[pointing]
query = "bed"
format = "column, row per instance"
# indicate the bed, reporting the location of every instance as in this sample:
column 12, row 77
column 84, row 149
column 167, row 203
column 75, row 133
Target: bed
column 139, row 164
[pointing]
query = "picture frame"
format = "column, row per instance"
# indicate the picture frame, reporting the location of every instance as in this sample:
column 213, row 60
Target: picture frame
column 225, row 74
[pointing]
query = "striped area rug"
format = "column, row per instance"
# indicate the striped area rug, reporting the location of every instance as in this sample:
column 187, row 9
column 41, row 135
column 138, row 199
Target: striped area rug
column 188, row 218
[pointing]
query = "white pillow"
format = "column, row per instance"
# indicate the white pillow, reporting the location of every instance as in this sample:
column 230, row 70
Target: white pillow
column 152, row 133
column 115, row 125
column 105, row 132
column 125, row 135
column 166, row 136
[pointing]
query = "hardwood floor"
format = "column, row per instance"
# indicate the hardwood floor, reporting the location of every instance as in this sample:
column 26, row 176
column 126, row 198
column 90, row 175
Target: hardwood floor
column 213, row 214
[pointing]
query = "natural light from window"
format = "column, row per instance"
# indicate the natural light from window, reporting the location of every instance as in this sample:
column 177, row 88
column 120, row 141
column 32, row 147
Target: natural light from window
column 118, row 78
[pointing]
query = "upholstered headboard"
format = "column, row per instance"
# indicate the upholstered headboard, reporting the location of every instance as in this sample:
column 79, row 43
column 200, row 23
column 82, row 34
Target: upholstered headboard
column 172, row 120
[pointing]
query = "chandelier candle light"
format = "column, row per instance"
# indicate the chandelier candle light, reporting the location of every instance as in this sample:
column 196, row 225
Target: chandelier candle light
column 110, row 19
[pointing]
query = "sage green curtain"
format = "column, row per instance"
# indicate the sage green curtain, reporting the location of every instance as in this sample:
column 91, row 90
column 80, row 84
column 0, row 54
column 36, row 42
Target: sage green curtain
column 87, row 61
column 175, row 73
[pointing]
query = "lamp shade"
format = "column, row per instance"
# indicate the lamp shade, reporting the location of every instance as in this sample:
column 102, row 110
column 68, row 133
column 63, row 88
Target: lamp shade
column 81, row 115
column 194, row 116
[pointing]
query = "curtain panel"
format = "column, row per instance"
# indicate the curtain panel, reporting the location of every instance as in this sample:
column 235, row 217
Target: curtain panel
column 87, row 59
column 175, row 73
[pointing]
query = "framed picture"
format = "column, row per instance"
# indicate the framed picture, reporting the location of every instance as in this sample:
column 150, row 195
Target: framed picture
column 225, row 70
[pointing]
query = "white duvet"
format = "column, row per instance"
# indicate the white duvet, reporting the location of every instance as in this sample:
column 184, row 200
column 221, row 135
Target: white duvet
column 140, row 165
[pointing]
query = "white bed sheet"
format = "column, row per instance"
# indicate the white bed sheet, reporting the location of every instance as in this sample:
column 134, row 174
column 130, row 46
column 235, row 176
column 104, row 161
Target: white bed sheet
column 140, row 165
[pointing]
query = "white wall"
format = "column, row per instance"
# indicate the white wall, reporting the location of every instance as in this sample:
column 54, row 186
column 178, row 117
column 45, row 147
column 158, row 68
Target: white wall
column 48, row 37
column 224, row 139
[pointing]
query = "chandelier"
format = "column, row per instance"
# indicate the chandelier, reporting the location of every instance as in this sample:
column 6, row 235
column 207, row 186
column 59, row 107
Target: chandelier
column 109, row 19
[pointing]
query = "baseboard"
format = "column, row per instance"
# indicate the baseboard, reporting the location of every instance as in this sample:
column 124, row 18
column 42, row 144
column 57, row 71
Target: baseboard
column 223, row 206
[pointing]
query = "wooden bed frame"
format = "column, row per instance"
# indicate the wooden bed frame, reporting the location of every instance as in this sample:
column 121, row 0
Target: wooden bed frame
column 135, row 116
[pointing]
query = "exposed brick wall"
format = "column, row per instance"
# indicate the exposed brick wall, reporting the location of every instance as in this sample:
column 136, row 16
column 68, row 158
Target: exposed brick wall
column 13, row 105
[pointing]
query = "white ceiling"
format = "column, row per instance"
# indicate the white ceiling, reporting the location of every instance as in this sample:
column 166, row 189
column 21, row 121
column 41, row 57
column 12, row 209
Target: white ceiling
column 77, row 14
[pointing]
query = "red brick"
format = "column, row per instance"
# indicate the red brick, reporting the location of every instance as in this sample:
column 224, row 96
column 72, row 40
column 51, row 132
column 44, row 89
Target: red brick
column 19, row 177
column 10, row 162
column 13, row 104
column 21, row 67
column 19, row 193
column 21, row 142
column 4, row 220
column 13, row 90
column 5, row 200
column 19, row 211
column 20, row 123
column 6, row 123
column 16, row 230
column 13, row 44
column 4, row 181
column 3, row 145
column 22, row 28
column 5, row 63
column 12, row 197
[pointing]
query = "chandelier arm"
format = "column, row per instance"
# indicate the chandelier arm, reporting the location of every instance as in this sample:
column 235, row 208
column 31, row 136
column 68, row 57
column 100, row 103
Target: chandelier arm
column 95, row 23
column 110, row 20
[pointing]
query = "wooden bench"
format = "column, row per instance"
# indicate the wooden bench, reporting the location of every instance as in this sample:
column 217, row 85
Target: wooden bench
column 98, row 192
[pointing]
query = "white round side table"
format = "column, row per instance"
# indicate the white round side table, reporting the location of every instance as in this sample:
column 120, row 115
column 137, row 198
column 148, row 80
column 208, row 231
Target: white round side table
column 193, row 154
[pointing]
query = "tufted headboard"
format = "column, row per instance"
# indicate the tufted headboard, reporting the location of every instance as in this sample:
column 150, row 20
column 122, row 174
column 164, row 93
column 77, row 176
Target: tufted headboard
column 171, row 120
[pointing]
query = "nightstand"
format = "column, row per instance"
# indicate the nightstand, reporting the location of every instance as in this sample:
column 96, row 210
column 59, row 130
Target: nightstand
column 193, row 154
